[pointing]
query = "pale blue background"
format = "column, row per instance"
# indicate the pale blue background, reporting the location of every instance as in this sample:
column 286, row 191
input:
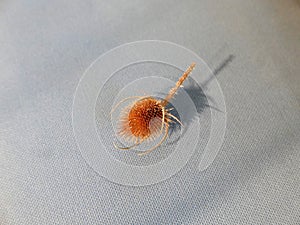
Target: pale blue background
column 45, row 46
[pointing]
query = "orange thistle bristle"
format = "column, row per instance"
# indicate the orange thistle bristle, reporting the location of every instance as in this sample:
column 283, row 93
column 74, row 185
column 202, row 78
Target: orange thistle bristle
column 137, row 121
column 147, row 117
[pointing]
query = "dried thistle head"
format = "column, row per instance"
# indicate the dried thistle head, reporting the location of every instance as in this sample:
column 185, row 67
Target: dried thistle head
column 147, row 117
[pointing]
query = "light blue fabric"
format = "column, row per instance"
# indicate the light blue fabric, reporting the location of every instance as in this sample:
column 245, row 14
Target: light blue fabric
column 254, row 49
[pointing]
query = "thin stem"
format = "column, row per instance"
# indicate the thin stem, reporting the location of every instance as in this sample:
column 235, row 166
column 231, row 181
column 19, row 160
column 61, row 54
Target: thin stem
column 178, row 84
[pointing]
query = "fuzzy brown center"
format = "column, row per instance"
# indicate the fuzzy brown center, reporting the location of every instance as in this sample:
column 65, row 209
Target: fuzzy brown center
column 141, row 114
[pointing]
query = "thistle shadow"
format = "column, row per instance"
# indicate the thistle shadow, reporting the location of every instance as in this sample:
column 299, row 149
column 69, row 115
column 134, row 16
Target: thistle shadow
column 198, row 97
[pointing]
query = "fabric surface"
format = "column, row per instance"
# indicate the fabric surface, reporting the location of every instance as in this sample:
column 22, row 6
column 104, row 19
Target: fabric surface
column 253, row 47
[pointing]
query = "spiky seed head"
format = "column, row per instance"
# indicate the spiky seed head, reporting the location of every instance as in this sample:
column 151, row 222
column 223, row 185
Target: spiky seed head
column 142, row 119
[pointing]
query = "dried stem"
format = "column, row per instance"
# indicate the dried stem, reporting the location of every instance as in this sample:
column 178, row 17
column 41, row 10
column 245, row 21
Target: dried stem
column 178, row 84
